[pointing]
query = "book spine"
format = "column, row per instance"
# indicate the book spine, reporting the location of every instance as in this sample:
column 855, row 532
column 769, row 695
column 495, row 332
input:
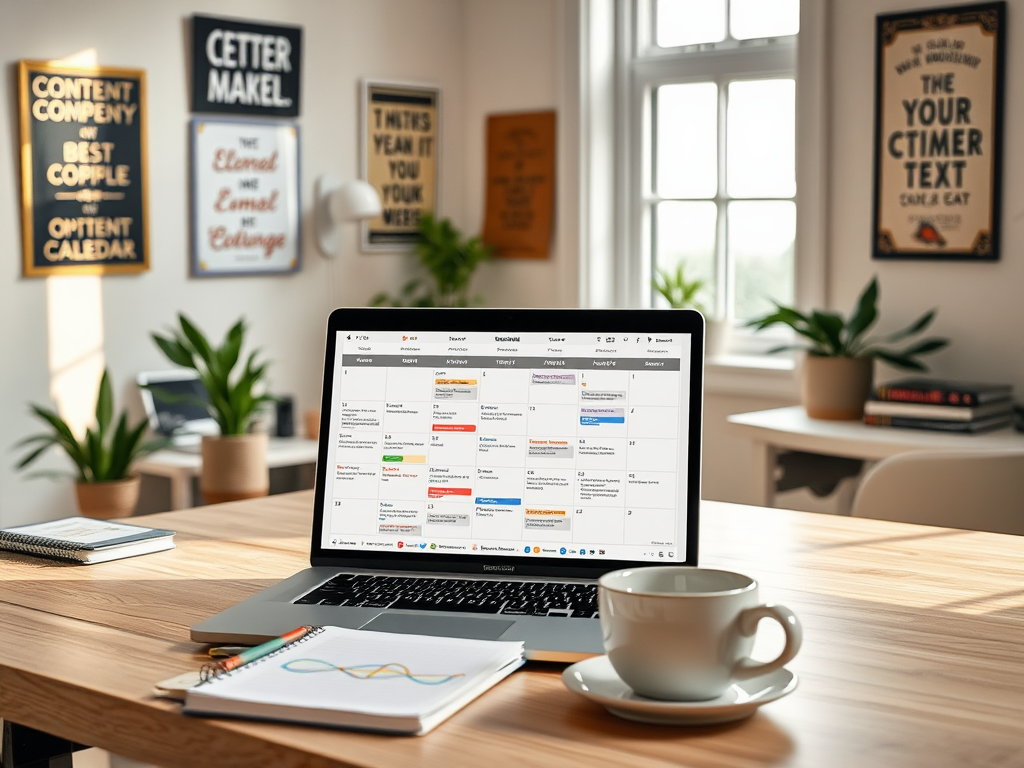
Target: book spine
column 928, row 396
column 935, row 425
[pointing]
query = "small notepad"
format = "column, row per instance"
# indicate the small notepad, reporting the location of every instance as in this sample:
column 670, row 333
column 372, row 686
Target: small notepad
column 85, row 540
column 349, row 678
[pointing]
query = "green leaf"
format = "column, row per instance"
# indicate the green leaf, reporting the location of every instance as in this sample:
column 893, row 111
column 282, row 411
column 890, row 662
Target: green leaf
column 174, row 351
column 831, row 326
column 196, row 339
column 898, row 360
column 104, row 405
column 33, row 455
column 924, row 347
column 916, row 327
column 865, row 313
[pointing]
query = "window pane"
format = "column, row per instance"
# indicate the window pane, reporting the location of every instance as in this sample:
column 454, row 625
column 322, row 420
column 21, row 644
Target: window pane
column 685, row 234
column 761, row 138
column 761, row 235
column 687, row 148
column 763, row 18
column 689, row 22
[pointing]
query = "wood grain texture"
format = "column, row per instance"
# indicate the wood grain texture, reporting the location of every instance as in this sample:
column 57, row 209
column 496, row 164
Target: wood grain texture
column 913, row 653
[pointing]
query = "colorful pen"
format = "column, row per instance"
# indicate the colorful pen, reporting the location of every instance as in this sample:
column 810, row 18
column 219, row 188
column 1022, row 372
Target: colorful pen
column 252, row 654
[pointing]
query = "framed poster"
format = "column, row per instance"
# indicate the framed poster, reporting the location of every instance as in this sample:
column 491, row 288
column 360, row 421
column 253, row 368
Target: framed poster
column 245, row 68
column 83, row 170
column 401, row 135
column 939, row 133
column 245, row 197
column 519, row 212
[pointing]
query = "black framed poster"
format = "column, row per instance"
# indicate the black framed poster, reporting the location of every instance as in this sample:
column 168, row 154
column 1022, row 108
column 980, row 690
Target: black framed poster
column 939, row 133
column 83, row 169
column 245, row 68
column 401, row 135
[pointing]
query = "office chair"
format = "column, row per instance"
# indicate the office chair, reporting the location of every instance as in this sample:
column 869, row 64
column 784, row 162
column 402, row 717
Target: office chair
column 977, row 490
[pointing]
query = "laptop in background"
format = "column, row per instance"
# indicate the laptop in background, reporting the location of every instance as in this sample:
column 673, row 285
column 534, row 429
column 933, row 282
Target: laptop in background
column 168, row 398
column 480, row 469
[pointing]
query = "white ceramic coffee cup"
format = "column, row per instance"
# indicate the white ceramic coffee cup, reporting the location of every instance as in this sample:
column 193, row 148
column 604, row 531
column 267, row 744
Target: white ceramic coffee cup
column 685, row 634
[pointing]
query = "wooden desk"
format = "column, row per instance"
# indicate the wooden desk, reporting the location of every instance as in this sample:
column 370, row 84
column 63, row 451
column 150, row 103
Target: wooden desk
column 791, row 429
column 912, row 653
column 181, row 466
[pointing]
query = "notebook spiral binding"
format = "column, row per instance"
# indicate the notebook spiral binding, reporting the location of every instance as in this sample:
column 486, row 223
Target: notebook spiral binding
column 36, row 545
column 208, row 673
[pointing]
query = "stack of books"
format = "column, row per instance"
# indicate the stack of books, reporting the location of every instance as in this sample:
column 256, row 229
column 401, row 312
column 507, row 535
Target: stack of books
column 945, row 406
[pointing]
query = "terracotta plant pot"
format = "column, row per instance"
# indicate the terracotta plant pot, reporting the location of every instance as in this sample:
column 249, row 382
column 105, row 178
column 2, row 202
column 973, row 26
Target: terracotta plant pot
column 234, row 468
column 312, row 422
column 116, row 498
column 835, row 388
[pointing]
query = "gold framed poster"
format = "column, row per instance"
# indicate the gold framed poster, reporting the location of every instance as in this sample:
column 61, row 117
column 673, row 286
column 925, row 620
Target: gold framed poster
column 939, row 133
column 520, row 208
column 401, row 136
column 83, row 170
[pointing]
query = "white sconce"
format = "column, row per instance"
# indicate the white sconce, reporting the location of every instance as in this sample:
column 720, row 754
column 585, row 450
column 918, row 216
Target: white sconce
column 338, row 202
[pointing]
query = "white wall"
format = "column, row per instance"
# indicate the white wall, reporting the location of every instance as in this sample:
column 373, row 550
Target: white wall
column 514, row 63
column 980, row 305
column 343, row 42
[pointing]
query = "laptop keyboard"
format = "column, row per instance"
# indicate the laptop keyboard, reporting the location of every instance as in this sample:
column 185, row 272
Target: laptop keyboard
column 510, row 598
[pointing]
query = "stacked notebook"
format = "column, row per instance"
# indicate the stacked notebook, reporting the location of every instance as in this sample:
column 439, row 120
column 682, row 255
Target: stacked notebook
column 944, row 406
column 348, row 678
column 85, row 540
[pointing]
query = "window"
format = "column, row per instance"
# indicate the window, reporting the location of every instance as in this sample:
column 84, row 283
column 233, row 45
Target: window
column 711, row 149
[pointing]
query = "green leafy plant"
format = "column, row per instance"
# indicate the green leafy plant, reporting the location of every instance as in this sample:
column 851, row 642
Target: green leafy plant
column 104, row 454
column 232, row 401
column 829, row 335
column 450, row 262
column 679, row 292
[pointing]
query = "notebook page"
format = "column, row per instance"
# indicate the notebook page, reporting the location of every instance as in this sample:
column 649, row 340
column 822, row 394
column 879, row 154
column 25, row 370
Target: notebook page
column 372, row 673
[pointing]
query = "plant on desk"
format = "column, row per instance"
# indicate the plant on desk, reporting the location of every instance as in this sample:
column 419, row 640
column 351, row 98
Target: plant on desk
column 235, row 462
column 450, row 262
column 840, row 359
column 682, row 293
column 104, row 483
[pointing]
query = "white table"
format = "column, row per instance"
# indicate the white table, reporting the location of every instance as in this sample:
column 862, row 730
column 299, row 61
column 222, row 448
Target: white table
column 791, row 429
column 181, row 466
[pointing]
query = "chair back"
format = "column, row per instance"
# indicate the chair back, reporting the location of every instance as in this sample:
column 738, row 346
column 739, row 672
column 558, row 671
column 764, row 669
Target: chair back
column 977, row 490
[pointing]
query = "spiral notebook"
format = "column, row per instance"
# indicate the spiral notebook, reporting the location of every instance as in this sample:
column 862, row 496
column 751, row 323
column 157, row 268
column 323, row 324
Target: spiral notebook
column 365, row 680
column 85, row 540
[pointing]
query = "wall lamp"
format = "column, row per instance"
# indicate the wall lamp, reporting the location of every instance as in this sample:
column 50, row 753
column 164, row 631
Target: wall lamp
column 338, row 202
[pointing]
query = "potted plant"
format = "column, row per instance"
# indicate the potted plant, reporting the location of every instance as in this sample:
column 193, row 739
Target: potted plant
column 839, row 364
column 681, row 293
column 104, row 484
column 234, row 462
column 449, row 260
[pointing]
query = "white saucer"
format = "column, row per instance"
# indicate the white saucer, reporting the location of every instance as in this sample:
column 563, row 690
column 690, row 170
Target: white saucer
column 595, row 679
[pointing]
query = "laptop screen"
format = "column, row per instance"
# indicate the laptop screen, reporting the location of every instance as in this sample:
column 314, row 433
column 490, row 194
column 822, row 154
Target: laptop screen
column 510, row 444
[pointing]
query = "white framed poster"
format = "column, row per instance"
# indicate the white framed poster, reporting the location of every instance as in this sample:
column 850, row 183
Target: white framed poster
column 245, row 197
column 401, row 136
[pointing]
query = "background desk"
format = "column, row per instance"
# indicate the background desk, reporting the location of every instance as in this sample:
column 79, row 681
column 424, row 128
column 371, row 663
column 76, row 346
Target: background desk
column 791, row 429
column 912, row 653
column 181, row 466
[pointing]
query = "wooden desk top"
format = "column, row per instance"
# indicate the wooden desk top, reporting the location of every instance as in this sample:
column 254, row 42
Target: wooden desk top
column 913, row 653
column 793, row 429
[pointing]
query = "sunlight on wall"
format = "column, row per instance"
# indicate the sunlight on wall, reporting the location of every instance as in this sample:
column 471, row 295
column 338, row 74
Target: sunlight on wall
column 74, row 315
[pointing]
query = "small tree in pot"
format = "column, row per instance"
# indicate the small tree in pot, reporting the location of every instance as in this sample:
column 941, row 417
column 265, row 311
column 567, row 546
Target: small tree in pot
column 840, row 359
column 105, row 486
column 682, row 293
column 235, row 462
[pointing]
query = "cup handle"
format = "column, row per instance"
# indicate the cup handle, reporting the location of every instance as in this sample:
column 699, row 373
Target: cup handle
column 748, row 619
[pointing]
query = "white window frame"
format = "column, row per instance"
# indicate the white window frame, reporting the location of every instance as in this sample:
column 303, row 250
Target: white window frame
column 614, row 265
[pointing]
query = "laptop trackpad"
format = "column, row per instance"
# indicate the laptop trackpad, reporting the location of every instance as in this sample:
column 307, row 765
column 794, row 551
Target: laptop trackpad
column 438, row 626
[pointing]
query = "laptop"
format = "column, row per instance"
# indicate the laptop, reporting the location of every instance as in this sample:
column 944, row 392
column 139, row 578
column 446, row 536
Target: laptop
column 480, row 469
column 173, row 404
